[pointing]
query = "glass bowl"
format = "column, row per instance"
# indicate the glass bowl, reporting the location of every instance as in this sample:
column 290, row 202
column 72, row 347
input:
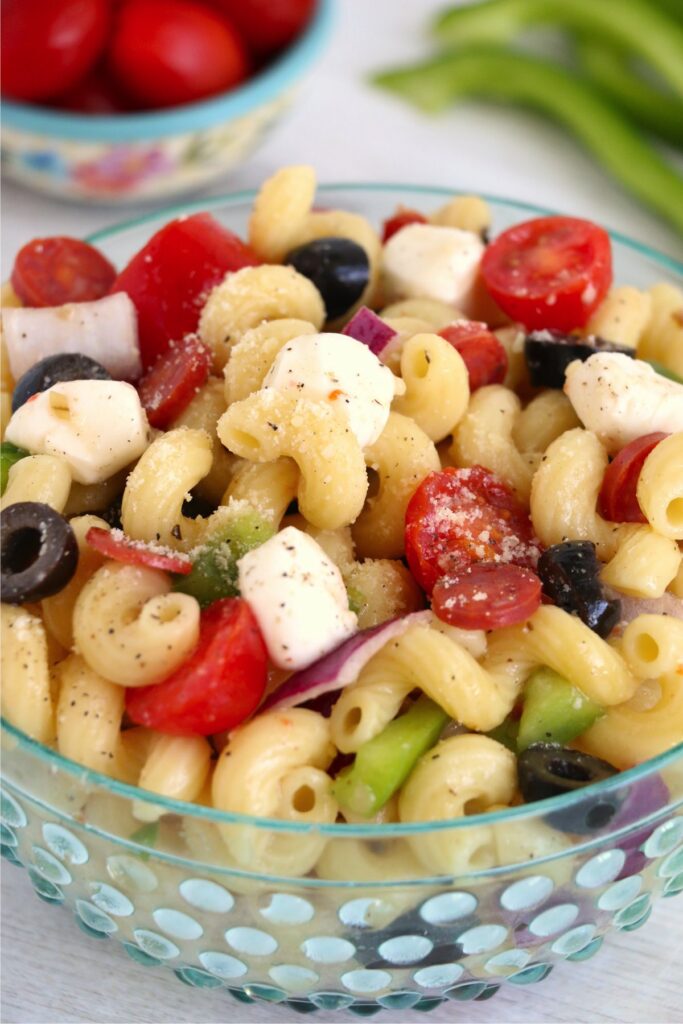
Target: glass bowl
column 369, row 926
column 155, row 154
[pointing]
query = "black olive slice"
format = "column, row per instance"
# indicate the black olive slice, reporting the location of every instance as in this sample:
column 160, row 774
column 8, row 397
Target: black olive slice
column 549, row 353
column 545, row 770
column 39, row 552
column 55, row 370
column 569, row 573
column 338, row 267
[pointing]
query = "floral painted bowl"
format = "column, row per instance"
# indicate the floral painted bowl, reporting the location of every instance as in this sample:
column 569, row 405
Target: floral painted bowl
column 368, row 927
column 127, row 158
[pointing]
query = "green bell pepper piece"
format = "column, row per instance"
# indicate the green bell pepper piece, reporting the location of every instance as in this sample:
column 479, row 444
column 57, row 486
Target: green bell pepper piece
column 498, row 74
column 506, row 733
column 640, row 27
column 214, row 564
column 554, row 710
column 9, row 454
column 610, row 70
column 384, row 763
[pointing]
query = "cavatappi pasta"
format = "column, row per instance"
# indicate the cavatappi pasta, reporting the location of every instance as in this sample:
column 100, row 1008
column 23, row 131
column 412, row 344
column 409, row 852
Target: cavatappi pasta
column 288, row 519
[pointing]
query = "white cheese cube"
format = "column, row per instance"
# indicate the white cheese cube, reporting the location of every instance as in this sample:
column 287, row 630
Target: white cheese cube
column 97, row 426
column 105, row 329
column 620, row 399
column 298, row 597
column 426, row 261
column 338, row 369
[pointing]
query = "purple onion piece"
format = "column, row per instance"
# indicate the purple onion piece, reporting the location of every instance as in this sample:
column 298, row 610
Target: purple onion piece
column 341, row 666
column 367, row 327
column 644, row 798
column 632, row 607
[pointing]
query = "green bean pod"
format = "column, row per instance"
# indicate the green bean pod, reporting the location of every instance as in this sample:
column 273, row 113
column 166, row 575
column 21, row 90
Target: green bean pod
column 610, row 69
column 640, row 27
column 495, row 73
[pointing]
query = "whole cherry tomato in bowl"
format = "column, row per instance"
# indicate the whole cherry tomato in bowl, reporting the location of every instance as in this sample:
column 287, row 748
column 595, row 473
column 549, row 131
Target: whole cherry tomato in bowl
column 164, row 53
column 48, row 47
column 267, row 25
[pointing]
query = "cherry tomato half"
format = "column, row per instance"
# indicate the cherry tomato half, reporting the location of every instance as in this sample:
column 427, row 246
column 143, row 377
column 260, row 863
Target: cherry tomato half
column 171, row 384
column 267, row 25
column 460, row 516
column 487, row 596
column 173, row 273
column 484, row 356
column 549, row 272
column 219, row 685
column 115, row 545
column 53, row 271
column 167, row 52
column 401, row 219
column 617, row 500
column 49, row 45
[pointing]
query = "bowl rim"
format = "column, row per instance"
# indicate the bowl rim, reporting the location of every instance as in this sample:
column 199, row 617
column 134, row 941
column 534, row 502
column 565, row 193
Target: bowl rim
column 190, row 117
column 348, row 830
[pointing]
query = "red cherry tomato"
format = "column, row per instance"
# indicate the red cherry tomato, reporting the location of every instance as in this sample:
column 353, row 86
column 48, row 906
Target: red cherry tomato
column 219, row 685
column 115, row 545
column 401, row 219
column 617, row 500
column 267, row 25
column 96, row 94
column 167, row 52
column 172, row 274
column 549, row 272
column 484, row 356
column 487, row 596
column 173, row 381
column 460, row 516
column 49, row 45
column 53, row 271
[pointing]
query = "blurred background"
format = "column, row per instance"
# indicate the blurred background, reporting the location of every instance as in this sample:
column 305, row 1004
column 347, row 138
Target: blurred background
column 315, row 98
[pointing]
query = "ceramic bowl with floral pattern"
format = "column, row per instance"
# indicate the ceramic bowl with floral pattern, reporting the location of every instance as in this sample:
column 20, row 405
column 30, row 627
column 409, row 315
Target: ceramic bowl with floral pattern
column 158, row 154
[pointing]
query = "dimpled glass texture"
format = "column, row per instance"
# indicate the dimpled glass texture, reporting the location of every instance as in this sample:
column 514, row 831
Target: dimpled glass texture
column 374, row 928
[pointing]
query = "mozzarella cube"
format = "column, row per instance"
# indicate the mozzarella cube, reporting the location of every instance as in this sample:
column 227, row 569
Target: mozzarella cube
column 97, row 426
column 425, row 261
column 620, row 399
column 338, row 369
column 298, row 597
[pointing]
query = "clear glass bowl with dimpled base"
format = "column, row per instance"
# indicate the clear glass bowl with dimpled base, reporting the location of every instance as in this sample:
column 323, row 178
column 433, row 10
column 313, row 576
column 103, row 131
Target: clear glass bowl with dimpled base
column 370, row 926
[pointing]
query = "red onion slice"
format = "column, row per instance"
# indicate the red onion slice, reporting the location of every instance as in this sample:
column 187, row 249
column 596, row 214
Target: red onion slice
column 341, row 666
column 104, row 329
column 632, row 607
column 371, row 330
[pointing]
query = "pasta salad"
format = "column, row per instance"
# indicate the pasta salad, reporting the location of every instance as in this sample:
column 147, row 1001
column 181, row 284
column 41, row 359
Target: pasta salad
column 334, row 524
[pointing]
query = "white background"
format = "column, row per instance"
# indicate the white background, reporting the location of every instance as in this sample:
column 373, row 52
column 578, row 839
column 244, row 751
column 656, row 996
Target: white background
column 50, row 970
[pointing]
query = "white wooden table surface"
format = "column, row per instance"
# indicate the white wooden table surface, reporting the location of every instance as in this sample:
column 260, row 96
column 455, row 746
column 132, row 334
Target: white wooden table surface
column 50, row 970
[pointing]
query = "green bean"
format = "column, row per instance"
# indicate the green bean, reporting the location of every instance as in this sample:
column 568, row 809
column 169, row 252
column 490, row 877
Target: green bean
column 610, row 69
column 674, row 8
column 634, row 24
column 496, row 73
